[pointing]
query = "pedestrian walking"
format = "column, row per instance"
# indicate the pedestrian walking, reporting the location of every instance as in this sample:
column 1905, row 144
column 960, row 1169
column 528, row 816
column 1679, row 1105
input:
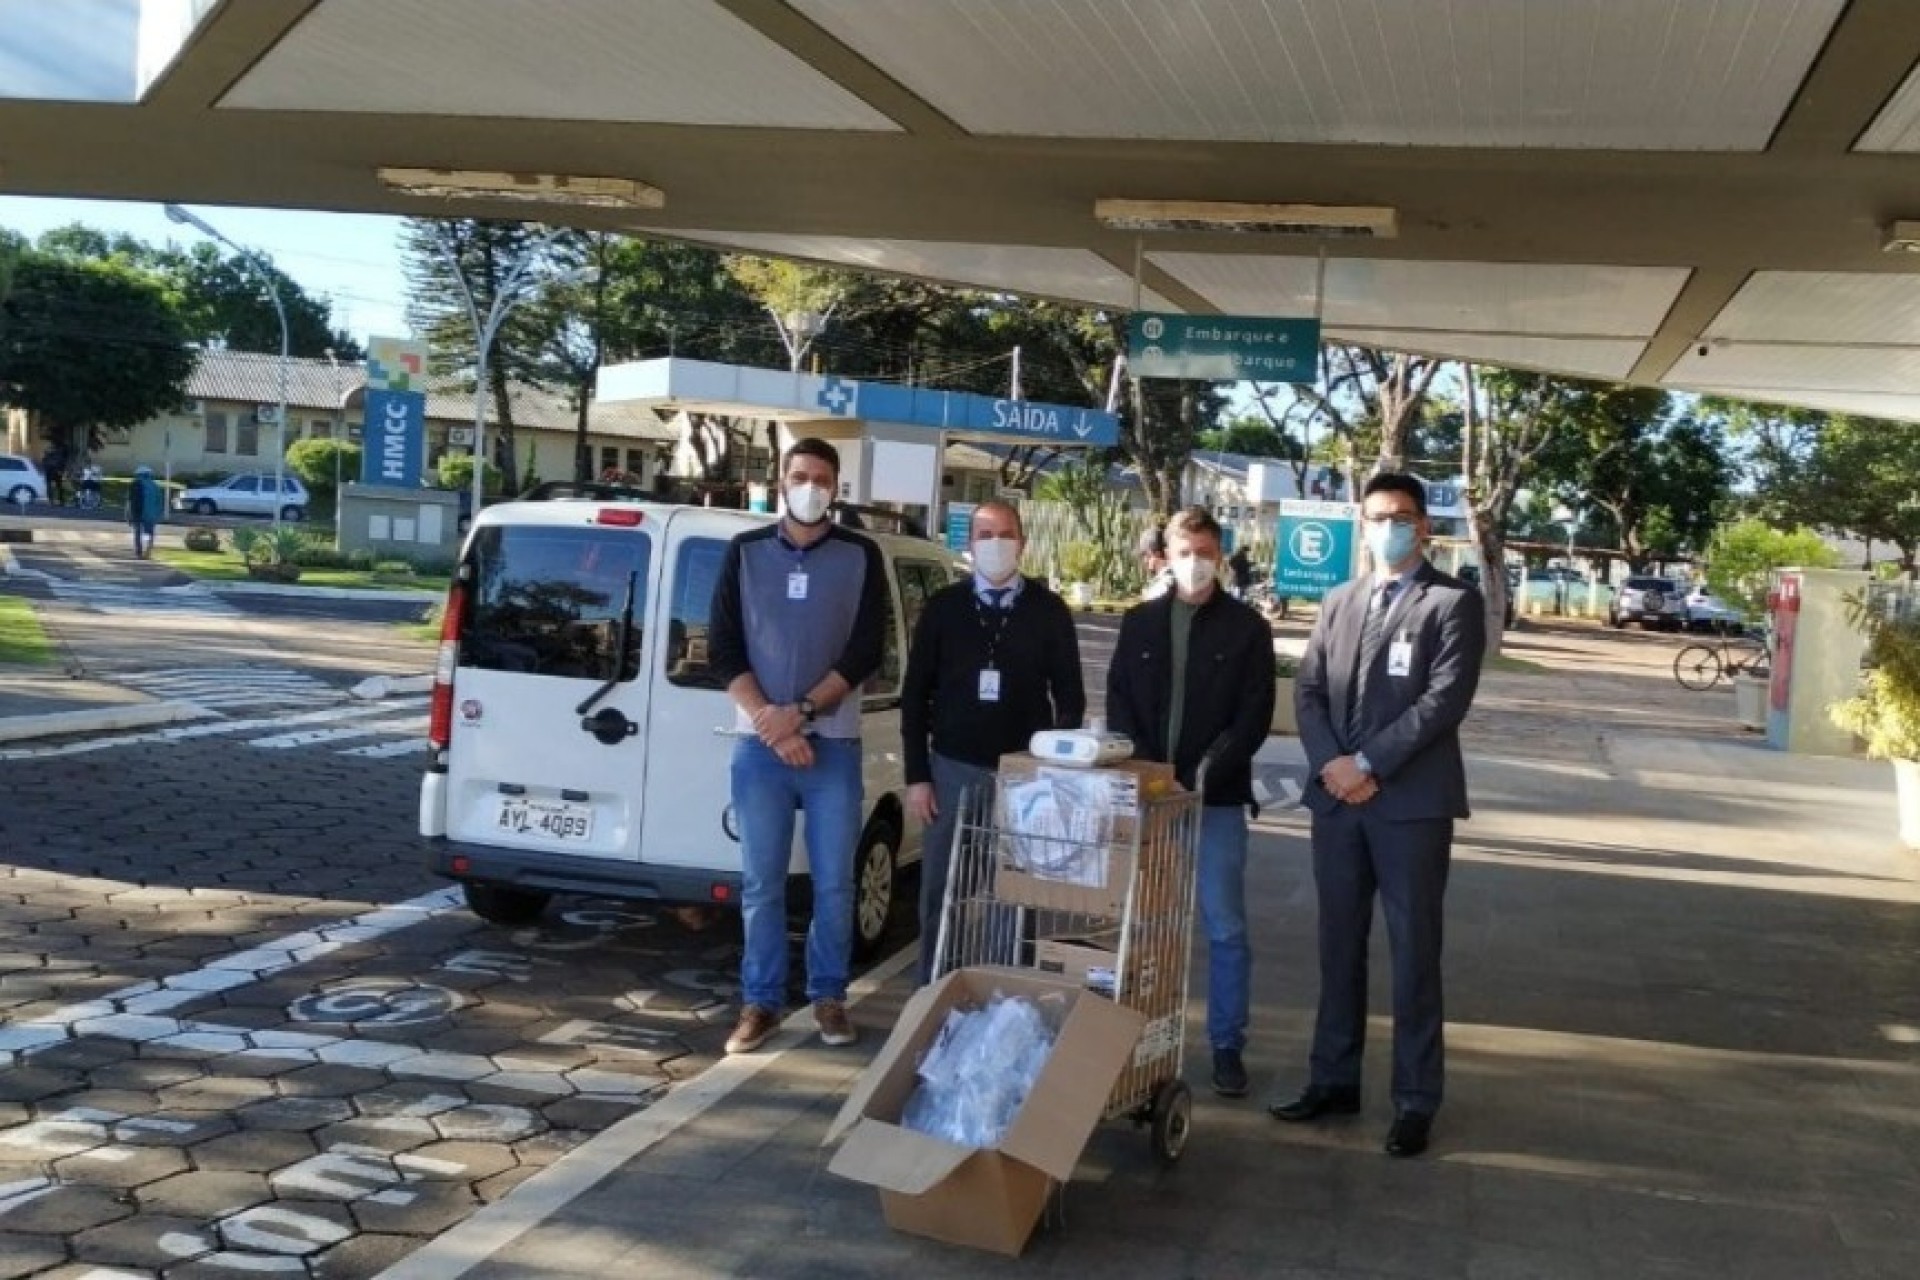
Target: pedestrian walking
column 53, row 465
column 993, row 659
column 799, row 616
column 1192, row 683
column 144, row 506
column 1389, row 674
column 1152, row 550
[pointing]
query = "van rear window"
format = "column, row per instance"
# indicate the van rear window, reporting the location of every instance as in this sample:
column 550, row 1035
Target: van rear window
column 695, row 572
column 549, row 601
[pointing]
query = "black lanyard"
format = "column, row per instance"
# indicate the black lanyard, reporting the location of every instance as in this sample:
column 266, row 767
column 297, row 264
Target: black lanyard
column 997, row 628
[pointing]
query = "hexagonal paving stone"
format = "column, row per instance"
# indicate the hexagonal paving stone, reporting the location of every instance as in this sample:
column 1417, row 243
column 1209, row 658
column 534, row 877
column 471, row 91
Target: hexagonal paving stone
column 471, row 1161
column 32, row 1083
column 294, row 1113
column 254, row 1150
column 204, row 1195
column 84, row 1053
column 503, row 1184
column 175, row 1129
column 586, row 1113
column 543, row 1149
column 128, row 1102
column 259, row 1065
column 411, row 1098
column 390, row 1134
column 330, row 1081
column 135, row 1242
column 430, row 1208
column 127, row 1167
column 295, row 1227
column 367, row 1254
column 142, row 1073
column 27, row 1256
column 488, row 1122
column 215, row 1093
column 65, row 1211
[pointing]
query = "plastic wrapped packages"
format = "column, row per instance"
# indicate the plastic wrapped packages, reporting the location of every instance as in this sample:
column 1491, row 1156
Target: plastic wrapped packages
column 979, row 1069
column 1061, row 823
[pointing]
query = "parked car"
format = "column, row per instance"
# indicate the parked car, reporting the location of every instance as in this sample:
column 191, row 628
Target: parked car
column 1471, row 573
column 578, row 740
column 249, row 493
column 20, row 480
column 1651, row 602
column 1708, row 612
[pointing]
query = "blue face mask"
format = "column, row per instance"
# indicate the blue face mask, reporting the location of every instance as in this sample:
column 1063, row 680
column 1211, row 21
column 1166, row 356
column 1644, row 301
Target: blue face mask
column 1391, row 542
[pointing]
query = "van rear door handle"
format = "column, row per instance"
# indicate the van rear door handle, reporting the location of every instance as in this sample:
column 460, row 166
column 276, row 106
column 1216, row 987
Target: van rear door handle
column 610, row 725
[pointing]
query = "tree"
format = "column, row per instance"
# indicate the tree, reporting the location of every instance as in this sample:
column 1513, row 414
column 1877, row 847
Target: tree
column 87, row 345
column 800, row 299
column 1860, row 480
column 1371, row 401
column 317, row 462
column 1251, row 435
column 1741, row 554
column 1777, row 443
column 488, row 256
column 1510, row 420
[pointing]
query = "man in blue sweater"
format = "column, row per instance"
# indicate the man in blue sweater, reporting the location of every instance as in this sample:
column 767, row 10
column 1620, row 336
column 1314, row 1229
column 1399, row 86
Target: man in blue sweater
column 994, row 657
column 798, row 625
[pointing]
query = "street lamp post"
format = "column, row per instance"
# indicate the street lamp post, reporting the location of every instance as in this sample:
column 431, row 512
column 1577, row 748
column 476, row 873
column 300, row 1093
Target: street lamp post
column 514, row 290
column 187, row 218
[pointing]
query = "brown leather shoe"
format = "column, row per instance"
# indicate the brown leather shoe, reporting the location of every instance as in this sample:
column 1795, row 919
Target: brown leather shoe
column 836, row 1028
column 757, row 1023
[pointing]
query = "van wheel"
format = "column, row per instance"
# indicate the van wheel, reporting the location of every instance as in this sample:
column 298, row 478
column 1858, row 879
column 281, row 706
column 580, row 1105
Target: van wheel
column 497, row 904
column 874, row 880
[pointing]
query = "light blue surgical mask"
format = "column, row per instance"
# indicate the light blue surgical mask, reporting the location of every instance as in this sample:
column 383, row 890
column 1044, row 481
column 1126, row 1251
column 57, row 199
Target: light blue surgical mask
column 1391, row 542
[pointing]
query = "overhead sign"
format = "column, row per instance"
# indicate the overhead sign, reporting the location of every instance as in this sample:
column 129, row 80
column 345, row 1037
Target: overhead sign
column 1223, row 348
column 394, row 443
column 963, row 413
column 1314, row 549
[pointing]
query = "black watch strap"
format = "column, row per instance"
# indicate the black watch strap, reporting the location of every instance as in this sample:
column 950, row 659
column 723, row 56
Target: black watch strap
column 807, row 708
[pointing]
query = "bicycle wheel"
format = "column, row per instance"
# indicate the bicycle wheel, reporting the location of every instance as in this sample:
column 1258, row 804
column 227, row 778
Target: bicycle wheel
column 1697, row 667
column 1745, row 657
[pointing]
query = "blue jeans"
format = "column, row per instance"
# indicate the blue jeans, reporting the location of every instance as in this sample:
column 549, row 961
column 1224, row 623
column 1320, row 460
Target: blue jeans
column 1223, row 913
column 766, row 794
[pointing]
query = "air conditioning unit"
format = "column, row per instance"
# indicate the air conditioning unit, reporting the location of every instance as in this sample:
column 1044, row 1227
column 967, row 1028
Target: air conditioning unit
column 192, row 408
column 266, row 413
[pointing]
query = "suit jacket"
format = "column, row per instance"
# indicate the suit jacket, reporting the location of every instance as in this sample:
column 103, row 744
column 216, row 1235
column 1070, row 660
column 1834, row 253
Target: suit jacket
column 1229, row 692
column 1410, row 728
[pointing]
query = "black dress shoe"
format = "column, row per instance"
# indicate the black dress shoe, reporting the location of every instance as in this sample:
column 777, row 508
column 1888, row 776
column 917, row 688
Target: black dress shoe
column 1409, row 1134
column 1229, row 1074
column 1316, row 1101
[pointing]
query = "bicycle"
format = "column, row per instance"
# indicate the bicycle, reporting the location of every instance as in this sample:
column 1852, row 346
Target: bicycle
column 1700, row 667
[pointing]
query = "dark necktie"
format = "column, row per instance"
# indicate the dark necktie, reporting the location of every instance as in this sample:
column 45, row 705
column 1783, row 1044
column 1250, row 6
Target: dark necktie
column 1372, row 635
column 997, row 596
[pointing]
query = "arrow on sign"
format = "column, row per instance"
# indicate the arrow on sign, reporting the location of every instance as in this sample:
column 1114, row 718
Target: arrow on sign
column 1081, row 427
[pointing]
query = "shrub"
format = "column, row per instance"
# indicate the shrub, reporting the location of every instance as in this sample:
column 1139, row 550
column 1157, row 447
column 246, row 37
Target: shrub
column 320, row 555
column 203, row 539
column 393, row 569
column 1079, row 561
column 248, row 545
column 360, row 559
column 456, row 472
column 314, row 462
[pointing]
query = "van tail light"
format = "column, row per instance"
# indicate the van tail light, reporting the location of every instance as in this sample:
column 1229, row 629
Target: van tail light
column 622, row 517
column 440, row 711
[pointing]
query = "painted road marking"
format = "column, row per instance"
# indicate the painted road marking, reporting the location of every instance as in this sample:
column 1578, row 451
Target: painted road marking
column 493, row 1227
column 131, row 1012
column 179, row 733
column 415, row 726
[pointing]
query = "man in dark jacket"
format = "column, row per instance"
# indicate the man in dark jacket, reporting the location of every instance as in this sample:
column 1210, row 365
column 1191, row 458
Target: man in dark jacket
column 1192, row 683
column 994, row 658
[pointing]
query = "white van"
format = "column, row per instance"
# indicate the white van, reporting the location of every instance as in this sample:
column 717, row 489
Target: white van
column 552, row 772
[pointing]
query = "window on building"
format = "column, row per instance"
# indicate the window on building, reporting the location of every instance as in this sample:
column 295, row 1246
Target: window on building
column 637, row 461
column 609, row 458
column 320, row 429
column 247, row 437
column 216, row 432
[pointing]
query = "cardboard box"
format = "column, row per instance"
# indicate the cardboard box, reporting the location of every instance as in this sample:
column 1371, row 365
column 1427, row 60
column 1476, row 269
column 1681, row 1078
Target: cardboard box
column 1094, row 963
column 1135, row 782
column 991, row 1198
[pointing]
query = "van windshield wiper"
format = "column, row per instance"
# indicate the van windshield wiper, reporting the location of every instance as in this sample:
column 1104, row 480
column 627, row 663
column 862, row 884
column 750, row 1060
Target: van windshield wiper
column 620, row 634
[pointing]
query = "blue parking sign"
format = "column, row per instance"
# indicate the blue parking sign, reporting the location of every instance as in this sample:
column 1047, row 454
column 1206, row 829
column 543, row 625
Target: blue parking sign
column 1314, row 550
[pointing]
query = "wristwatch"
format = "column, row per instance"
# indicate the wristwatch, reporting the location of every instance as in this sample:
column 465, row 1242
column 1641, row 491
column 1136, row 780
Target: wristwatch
column 1365, row 765
column 807, row 709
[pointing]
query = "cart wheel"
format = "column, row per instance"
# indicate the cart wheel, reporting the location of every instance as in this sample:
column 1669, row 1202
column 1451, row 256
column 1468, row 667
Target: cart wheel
column 1172, row 1120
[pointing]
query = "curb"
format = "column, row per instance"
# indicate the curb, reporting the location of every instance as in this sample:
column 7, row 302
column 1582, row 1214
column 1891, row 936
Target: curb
column 320, row 593
column 135, row 715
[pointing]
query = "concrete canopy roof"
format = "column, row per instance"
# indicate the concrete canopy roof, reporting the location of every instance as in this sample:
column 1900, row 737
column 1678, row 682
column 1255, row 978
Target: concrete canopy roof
column 1602, row 187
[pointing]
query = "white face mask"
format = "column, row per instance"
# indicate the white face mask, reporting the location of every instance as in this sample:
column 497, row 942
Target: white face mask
column 1194, row 573
column 808, row 503
column 996, row 559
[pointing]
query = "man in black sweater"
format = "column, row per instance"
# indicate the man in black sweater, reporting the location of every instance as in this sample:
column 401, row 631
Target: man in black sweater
column 994, row 658
column 1192, row 682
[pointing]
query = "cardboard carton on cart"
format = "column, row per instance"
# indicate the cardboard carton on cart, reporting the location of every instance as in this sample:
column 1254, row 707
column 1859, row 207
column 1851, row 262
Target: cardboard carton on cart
column 984, row 1198
column 1124, row 825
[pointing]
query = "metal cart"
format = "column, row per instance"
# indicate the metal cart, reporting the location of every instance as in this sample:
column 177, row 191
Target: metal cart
column 1129, row 939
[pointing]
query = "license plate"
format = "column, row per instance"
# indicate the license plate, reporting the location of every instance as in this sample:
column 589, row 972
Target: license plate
column 570, row 822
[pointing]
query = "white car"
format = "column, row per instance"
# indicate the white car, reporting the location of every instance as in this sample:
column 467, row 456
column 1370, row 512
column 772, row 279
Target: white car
column 20, row 480
column 1708, row 612
column 553, row 767
column 250, row 493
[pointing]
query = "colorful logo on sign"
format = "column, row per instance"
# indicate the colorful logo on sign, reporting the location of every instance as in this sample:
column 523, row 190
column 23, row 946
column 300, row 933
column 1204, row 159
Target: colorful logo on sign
column 396, row 364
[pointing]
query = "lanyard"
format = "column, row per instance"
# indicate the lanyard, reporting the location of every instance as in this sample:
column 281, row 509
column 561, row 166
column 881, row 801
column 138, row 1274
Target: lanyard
column 995, row 629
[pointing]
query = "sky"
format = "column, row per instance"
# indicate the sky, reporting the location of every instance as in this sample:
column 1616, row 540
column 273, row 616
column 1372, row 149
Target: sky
column 351, row 259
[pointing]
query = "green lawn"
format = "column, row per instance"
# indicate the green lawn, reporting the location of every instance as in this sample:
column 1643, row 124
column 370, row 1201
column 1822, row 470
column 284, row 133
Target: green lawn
column 1515, row 666
column 22, row 639
column 224, row 566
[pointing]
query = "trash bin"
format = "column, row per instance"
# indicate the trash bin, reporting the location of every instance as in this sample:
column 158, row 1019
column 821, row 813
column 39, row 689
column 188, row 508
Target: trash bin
column 1750, row 701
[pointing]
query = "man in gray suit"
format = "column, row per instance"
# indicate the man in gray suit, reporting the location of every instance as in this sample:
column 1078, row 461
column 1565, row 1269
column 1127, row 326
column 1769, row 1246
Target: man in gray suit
column 1388, row 676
